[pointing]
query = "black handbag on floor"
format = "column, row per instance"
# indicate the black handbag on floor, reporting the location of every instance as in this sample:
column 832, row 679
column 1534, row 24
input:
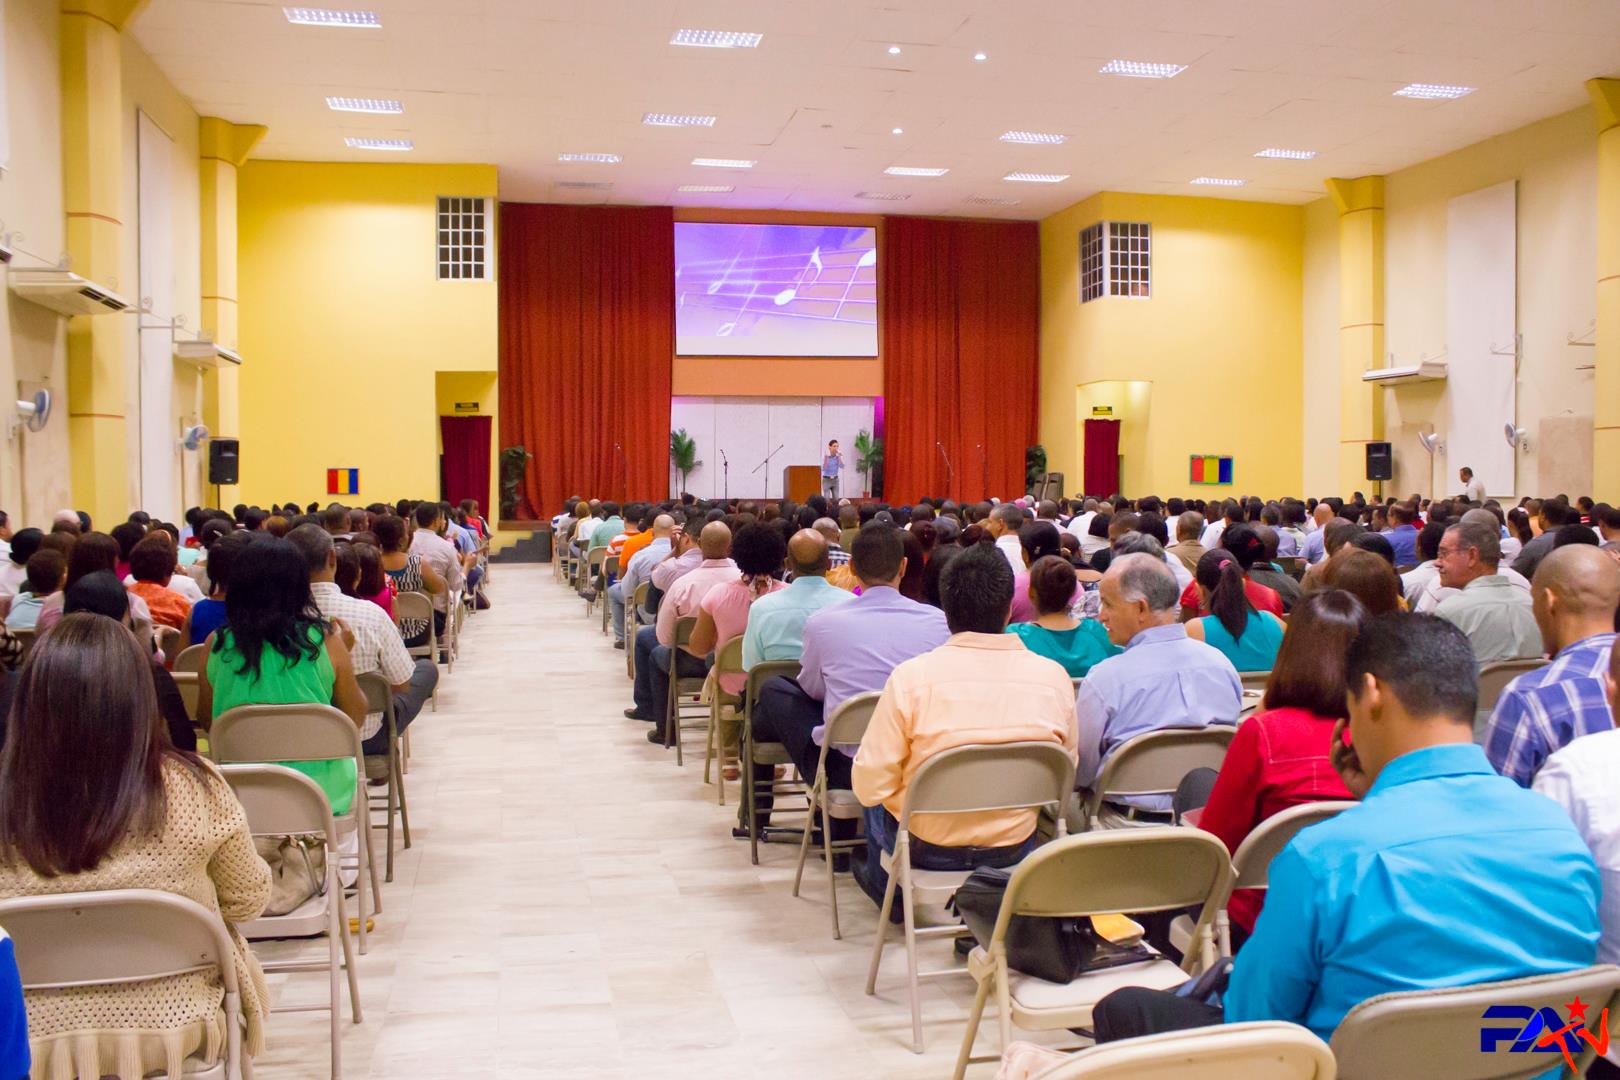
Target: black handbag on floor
column 1057, row 950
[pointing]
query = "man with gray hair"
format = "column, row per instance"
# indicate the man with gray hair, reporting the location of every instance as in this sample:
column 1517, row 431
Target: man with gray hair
column 828, row 528
column 1432, row 592
column 1498, row 618
column 1140, row 543
column 1163, row 679
column 1003, row 524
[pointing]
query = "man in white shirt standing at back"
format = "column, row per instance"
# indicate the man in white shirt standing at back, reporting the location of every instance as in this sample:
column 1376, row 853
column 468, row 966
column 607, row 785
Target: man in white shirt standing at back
column 1473, row 490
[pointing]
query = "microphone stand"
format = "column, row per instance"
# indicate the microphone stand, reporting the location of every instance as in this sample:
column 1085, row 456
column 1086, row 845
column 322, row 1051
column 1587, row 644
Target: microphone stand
column 624, row 464
column 950, row 473
column 725, row 477
column 766, row 462
column 984, row 465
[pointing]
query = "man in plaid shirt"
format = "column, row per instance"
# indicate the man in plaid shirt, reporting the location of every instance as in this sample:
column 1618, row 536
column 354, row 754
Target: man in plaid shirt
column 1576, row 590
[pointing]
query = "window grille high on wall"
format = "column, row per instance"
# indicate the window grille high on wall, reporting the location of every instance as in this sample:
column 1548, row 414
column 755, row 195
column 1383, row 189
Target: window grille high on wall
column 1116, row 259
column 463, row 245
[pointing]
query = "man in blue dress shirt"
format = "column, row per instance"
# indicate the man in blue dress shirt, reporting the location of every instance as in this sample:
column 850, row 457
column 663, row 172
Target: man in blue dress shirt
column 1446, row 874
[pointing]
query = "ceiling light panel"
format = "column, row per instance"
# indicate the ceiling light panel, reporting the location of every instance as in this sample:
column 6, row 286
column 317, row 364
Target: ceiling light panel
column 659, row 119
column 1287, row 155
column 724, row 163
column 881, row 196
column 1037, row 177
column 1433, row 92
column 989, row 200
column 717, row 39
column 1218, row 181
column 585, row 185
column 364, row 105
column 1137, row 69
column 1034, row 138
column 594, row 159
column 706, row 189
column 909, row 170
column 356, row 20
column 401, row 145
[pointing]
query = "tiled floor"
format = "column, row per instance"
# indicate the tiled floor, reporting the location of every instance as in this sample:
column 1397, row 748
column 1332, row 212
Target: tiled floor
column 574, row 905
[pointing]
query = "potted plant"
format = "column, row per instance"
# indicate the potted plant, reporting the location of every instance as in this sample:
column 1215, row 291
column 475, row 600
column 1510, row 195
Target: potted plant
column 683, row 455
column 868, row 461
column 514, row 463
column 1034, row 465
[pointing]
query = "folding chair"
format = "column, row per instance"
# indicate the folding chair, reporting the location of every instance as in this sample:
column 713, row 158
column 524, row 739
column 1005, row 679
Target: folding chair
column 1259, row 1050
column 1493, row 679
column 282, row 802
column 632, row 623
column 1293, row 566
column 965, row 779
column 123, row 937
column 589, row 573
column 1161, row 868
column 418, row 607
column 1254, row 680
column 190, row 659
column 727, row 661
column 753, row 753
column 167, row 640
column 845, row 727
column 1251, row 863
column 259, row 734
column 689, row 687
column 1407, row 1036
column 454, row 613
column 1152, row 764
column 389, row 766
column 25, row 635
column 610, row 571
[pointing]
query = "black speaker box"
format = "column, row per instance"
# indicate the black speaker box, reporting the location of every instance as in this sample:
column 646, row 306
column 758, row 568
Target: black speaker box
column 1380, row 461
column 224, row 461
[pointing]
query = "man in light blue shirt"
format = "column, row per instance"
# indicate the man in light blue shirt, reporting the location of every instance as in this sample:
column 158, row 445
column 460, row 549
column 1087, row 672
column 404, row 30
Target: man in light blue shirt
column 639, row 570
column 612, row 526
column 1445, row 875
column 831, row 465
column 1163, row 679
column 776, row 620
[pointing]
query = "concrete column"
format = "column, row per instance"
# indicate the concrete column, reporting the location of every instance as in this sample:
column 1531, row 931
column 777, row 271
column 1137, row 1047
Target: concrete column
column 92, row 188
column 1606, row 374
column 1361, row 322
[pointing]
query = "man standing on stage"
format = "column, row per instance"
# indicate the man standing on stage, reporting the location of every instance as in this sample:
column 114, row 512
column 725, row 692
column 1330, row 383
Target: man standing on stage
column 831, row 466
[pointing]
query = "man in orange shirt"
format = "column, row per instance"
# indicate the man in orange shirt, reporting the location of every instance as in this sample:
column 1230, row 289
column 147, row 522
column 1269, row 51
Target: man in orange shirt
column 981, row 686
column 634, row 542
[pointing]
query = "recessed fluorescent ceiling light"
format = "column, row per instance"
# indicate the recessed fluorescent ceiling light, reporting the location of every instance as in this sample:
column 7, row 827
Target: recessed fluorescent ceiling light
column 979, row 58
column 989, row 200
column 724, row 163
column 894, row 50
column 661, row 119
column 1037, row 177
column 378, row 144
column 1291, row 155
column 717, row 39
column 898, row 131
column 881, row 196
column 1037, row 138
column 1432, row 92
column 907, row 170
column 303, row 16
column 707, row 189
column 585, row 185
column 364, row 105
column 1218, row 181
column 1136, row 69
column 598, row 159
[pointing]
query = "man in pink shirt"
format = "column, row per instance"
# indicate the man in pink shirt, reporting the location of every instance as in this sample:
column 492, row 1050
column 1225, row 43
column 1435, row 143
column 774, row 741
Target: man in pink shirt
column 760, row 554
column 684, row 598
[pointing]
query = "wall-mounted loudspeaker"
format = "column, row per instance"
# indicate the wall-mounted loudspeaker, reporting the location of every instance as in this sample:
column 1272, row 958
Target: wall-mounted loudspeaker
column 223, row 461
column 1380, row 461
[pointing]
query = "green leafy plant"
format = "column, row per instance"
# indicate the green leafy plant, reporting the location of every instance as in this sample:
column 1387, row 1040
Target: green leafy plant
column 514, row 463
column 683, row 454
column 869, row 459
column 1034, row 464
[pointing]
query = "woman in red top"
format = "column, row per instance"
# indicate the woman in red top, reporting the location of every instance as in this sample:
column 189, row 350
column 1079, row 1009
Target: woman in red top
column 1247, row 548
column 1280, row 756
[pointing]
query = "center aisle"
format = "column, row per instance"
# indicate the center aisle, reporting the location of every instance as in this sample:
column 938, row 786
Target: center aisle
column 574, row 904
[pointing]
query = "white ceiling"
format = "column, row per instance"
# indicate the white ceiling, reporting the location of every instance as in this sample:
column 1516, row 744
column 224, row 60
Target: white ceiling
column 516, row 82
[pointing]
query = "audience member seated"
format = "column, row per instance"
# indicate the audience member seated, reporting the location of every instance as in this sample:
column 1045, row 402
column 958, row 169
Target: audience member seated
column 373, row 639
column 656, row 657
column 371, row 581
column 208, row 614
column 1268, row 573
column 685, row 555
column 1162, row 680
column 1415, row 580
column 1280, row 755
column 1369, row 578
column 1402, row 534
column 407, row 572
column 1036, row 541
column 1003, row 525
column 1247, row 550
column 776, row 620
column 94, row 552
column 14, row 567
column 1497, row 617
column 1445, row 875
column 1187, row 550
column 143, row 815
column 911, row 583
column 276, row 649
column 981, row 686
column 46, row 574
column 151, row 564
column 633, row 567
column 1575, row 593
column 1315, row 549
column 1076, row 644
column 1247, row 637
column 1552, row 515
column 441, row 555
column 760, row 553
column 607, row 527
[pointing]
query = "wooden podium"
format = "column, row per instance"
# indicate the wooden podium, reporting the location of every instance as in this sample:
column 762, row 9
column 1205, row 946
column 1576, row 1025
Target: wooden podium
column 799, row 482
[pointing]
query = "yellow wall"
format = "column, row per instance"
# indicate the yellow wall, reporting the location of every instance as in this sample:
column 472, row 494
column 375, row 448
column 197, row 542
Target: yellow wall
column 344, row 326
column 1220, row 340
column 451, row 387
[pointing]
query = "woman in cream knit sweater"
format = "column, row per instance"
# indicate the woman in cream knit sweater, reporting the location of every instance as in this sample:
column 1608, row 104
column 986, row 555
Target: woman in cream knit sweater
column 93, row 796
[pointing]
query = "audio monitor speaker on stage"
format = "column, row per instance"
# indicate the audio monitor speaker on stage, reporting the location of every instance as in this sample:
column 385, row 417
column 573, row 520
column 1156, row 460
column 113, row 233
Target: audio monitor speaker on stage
column 223, row 461
column 1048, row 486
column 1380, row 461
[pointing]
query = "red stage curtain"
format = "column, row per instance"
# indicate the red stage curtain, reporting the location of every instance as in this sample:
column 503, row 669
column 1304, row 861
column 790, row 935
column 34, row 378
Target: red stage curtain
column 465, row 465
column 587, row 315
column 960, row 322
column 1101, row 458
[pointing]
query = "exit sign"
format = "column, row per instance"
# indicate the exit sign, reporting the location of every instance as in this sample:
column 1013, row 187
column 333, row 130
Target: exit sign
column 466, row 406
column 1102, row 410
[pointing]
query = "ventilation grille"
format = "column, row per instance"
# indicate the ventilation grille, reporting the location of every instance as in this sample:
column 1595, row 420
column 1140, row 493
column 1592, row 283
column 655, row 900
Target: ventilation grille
column 463, row 238
column 1116, row 259
column 584, row 185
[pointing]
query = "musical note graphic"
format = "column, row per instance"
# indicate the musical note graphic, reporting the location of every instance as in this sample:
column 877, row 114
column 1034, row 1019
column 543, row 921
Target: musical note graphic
column 827, row 285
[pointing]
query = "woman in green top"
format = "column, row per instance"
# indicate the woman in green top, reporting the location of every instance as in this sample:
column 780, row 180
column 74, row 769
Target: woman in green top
column 1248, row 637
column 1077, row 644
column 276, row 649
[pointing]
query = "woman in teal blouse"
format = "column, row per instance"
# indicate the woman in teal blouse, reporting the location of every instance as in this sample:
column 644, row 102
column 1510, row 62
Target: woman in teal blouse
column 1247, row 637
column 1077, row 644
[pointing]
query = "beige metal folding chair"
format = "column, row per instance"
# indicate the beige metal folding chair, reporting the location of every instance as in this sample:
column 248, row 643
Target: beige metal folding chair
column 845, row 727
column 389, row 766
column 123, row 937
column 1152, row 764
column 1293, row 566
column 1493, row 679
column 632, row 623
column 418, row 607
column 258, row 734
column 1161, row 868
column 1420, row 1034
column 590, row 574
column 282, row 802
column 190, row 659
column 1254, row 680
column 167, row 639
column 610, row 571
column 1260, row 1050
column 685, row 692
column 753, row 753
column 965, row 779
column 727, row 661
column 455, row 612
column 25, row 635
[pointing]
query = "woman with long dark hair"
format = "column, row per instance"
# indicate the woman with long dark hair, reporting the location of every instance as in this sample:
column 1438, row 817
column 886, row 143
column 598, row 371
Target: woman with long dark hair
column 142, row 814
column 407, row 572
column 1246, row 636
column 1036, row 541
